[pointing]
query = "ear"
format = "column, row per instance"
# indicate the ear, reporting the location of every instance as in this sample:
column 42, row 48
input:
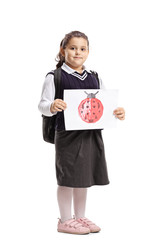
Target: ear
column 62, row 52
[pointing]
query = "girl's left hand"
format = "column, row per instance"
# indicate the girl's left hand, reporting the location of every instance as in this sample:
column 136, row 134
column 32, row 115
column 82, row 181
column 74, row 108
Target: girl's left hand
column 119, row 113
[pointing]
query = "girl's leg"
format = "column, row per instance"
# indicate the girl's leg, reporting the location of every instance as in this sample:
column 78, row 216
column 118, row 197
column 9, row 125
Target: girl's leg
column 79, row 200
column 64, row 197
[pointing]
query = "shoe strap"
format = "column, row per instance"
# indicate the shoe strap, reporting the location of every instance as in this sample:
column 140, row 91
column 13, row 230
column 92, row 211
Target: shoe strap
column 74, row 223
column 87, row 221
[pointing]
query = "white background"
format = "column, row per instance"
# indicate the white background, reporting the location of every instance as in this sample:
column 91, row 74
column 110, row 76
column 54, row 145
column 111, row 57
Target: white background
column 125, row 51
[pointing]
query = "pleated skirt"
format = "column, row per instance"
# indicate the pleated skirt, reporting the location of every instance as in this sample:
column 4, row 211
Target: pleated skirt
column 80, row 158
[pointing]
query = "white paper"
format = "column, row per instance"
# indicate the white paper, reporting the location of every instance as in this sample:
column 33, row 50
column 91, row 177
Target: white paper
column 75, row 121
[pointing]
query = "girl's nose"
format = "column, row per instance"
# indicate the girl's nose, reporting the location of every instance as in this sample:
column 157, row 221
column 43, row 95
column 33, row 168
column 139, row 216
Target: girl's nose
column 77, row 51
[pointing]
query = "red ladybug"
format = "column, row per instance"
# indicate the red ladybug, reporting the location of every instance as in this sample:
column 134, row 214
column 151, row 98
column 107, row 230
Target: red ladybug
column 90, row 109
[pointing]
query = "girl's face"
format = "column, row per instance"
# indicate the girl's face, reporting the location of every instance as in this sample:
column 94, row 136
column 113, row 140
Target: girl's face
column 76, row 52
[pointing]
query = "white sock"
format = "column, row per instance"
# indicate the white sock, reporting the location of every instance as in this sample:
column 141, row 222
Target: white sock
column 64, row 197
column 79, row 200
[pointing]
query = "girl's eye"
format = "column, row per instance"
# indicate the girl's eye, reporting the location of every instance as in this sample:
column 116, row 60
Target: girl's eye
column 83, row 49
column 72, row 48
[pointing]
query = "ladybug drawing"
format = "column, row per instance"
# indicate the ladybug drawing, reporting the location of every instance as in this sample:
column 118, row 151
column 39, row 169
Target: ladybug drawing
column 90, row 109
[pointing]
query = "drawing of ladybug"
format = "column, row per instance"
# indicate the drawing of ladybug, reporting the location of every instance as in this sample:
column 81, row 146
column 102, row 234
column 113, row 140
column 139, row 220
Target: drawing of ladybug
column 90, row 109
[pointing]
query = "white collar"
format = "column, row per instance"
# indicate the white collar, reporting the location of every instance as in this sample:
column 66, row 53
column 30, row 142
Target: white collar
column 69, row 70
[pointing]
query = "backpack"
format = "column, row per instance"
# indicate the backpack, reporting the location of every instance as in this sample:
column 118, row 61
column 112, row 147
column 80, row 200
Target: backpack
column 49, row 123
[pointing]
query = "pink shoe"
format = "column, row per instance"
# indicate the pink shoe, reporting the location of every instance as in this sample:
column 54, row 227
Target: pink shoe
column 87, row 223
column 72, row 226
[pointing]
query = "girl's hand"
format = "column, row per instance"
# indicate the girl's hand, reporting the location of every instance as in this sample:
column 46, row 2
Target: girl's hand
column 58, row 106
column 119, row 113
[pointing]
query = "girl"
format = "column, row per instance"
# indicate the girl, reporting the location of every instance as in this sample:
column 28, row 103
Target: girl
column 80, row 157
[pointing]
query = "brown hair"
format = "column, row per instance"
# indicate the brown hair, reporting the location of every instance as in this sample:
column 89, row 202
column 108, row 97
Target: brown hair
column 60, row 59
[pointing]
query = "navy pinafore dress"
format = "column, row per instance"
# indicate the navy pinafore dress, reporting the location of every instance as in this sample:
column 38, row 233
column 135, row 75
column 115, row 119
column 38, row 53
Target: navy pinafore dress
column 80, row 155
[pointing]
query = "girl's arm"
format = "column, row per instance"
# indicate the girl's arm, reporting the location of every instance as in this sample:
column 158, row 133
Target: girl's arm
column 101, row 83
column 47, row 105
column 47, row 96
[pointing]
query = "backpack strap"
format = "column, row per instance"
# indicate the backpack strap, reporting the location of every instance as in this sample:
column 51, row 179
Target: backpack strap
column 51, row 72
column 57, row 81
column 95, row 74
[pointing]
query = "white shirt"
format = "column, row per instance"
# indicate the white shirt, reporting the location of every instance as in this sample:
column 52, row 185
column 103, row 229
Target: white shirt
column 48, row 90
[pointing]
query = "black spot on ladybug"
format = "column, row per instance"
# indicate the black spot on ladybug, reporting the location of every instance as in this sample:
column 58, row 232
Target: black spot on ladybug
column 93, row 113
column 81, row 111
column 94, row 106
column 91, row 120
column 87, row 106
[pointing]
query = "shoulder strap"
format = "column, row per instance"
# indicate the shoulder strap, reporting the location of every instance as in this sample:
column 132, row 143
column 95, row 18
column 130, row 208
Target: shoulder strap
column 96, row 76
column 51, row 72
column 57, row 81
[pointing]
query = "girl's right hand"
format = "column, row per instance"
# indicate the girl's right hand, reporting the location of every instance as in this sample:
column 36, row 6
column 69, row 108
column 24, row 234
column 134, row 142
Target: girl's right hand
column 58, row 106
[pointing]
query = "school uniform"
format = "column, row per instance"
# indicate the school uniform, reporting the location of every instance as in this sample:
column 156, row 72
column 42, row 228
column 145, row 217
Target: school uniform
column 80, row 156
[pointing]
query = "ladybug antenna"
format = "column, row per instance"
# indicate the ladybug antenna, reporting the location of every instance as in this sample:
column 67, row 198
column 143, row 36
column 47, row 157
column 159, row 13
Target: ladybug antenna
column 86, row 92
column 91, row 95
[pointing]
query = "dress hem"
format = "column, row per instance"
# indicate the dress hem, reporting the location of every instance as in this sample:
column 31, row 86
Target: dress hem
column 67, row 185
